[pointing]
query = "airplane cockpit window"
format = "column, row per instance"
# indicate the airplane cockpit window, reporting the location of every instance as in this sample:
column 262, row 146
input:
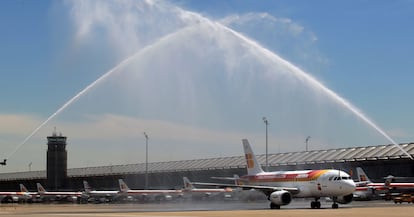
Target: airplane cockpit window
column 336, row 178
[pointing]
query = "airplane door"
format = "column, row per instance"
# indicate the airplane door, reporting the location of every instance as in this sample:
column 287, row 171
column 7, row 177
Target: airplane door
column 322, row 184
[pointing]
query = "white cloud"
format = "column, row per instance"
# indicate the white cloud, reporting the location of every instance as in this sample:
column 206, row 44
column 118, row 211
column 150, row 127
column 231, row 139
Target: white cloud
column 117, row 126
column 116, row 139
column 398, row 133
column 17, row 125
column 112, row 139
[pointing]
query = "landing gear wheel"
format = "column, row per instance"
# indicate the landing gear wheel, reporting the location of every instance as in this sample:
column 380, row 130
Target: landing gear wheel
column 335, row 206
column 318, row 205
column 274, row 206
column 315, row 205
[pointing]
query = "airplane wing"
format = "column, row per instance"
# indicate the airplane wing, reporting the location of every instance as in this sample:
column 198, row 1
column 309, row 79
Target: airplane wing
column 265, row 189
column 224, row 178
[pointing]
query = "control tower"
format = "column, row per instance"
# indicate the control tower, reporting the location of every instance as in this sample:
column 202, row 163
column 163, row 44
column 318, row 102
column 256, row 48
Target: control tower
column 56, row 161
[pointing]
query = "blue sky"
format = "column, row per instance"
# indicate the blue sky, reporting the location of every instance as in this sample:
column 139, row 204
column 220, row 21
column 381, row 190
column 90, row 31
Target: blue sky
column 195, row 87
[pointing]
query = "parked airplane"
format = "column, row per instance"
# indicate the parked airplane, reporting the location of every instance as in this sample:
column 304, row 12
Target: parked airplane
column 205, row 192
column 58, row 196
column 366, row 189
column 34, row 195
column 99, row 196
column 158, row 194
column 281, row 186
column 11, row 196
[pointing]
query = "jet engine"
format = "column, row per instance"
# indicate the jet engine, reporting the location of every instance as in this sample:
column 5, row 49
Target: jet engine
column 280, row 197
column 345, row 199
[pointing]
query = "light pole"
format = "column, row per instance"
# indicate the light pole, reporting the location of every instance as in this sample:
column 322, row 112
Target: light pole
column 146, row 160
column 306, row 142
column 267, row 162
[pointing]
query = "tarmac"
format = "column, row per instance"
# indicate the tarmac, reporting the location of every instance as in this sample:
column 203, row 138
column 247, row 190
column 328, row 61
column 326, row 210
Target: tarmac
column 226, row 209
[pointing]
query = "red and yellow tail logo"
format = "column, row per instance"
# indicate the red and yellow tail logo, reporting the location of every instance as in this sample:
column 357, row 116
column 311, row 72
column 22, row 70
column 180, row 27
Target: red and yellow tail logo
column 123, row 187
column 41, row 189
column 363, row 178
column 24, row 189
column 249, row 160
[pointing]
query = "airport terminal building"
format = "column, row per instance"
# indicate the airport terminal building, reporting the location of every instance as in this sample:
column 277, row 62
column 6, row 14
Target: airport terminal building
column 377, row 161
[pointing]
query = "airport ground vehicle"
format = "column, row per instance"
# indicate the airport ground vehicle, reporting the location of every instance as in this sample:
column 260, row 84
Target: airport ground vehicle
column 404, row 198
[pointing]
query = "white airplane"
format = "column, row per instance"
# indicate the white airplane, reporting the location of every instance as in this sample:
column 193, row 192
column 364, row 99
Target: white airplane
column 366, row 189
column 33, row 194
column 281, row 186
column 158, row 194
column 101, row 196
column 59, row 196
column 14, row 196
column 205, row 192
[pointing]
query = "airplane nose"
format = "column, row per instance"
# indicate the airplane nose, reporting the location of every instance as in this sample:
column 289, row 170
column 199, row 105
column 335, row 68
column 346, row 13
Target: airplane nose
column 349, row 186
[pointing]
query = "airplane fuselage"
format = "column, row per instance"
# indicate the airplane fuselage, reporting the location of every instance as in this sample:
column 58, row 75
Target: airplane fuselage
column 102, row 193
column 310, row 183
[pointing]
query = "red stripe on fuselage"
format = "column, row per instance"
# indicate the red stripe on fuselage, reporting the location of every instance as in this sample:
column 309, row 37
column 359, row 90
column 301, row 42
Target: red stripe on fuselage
column 286, row 177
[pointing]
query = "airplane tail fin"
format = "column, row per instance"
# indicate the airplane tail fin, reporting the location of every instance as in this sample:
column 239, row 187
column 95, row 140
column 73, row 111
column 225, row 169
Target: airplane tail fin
column 23, row 188
column 123, row 186
column 86, row 186
column 40, row 188
column 362, row 177
column 187, row 184
column 253, row 166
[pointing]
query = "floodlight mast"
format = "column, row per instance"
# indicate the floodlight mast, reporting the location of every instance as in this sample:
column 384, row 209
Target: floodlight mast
column 267, row 160
column 146, row 160
column 306, row 142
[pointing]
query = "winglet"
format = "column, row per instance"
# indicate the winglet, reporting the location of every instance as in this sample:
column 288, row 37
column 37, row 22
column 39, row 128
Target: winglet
column 253, row 166
column 123, row 186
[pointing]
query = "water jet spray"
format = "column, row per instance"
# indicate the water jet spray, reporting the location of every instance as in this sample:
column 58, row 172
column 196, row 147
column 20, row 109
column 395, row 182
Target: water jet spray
column 300, row 74
column 254, row 47
column 93, row 84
